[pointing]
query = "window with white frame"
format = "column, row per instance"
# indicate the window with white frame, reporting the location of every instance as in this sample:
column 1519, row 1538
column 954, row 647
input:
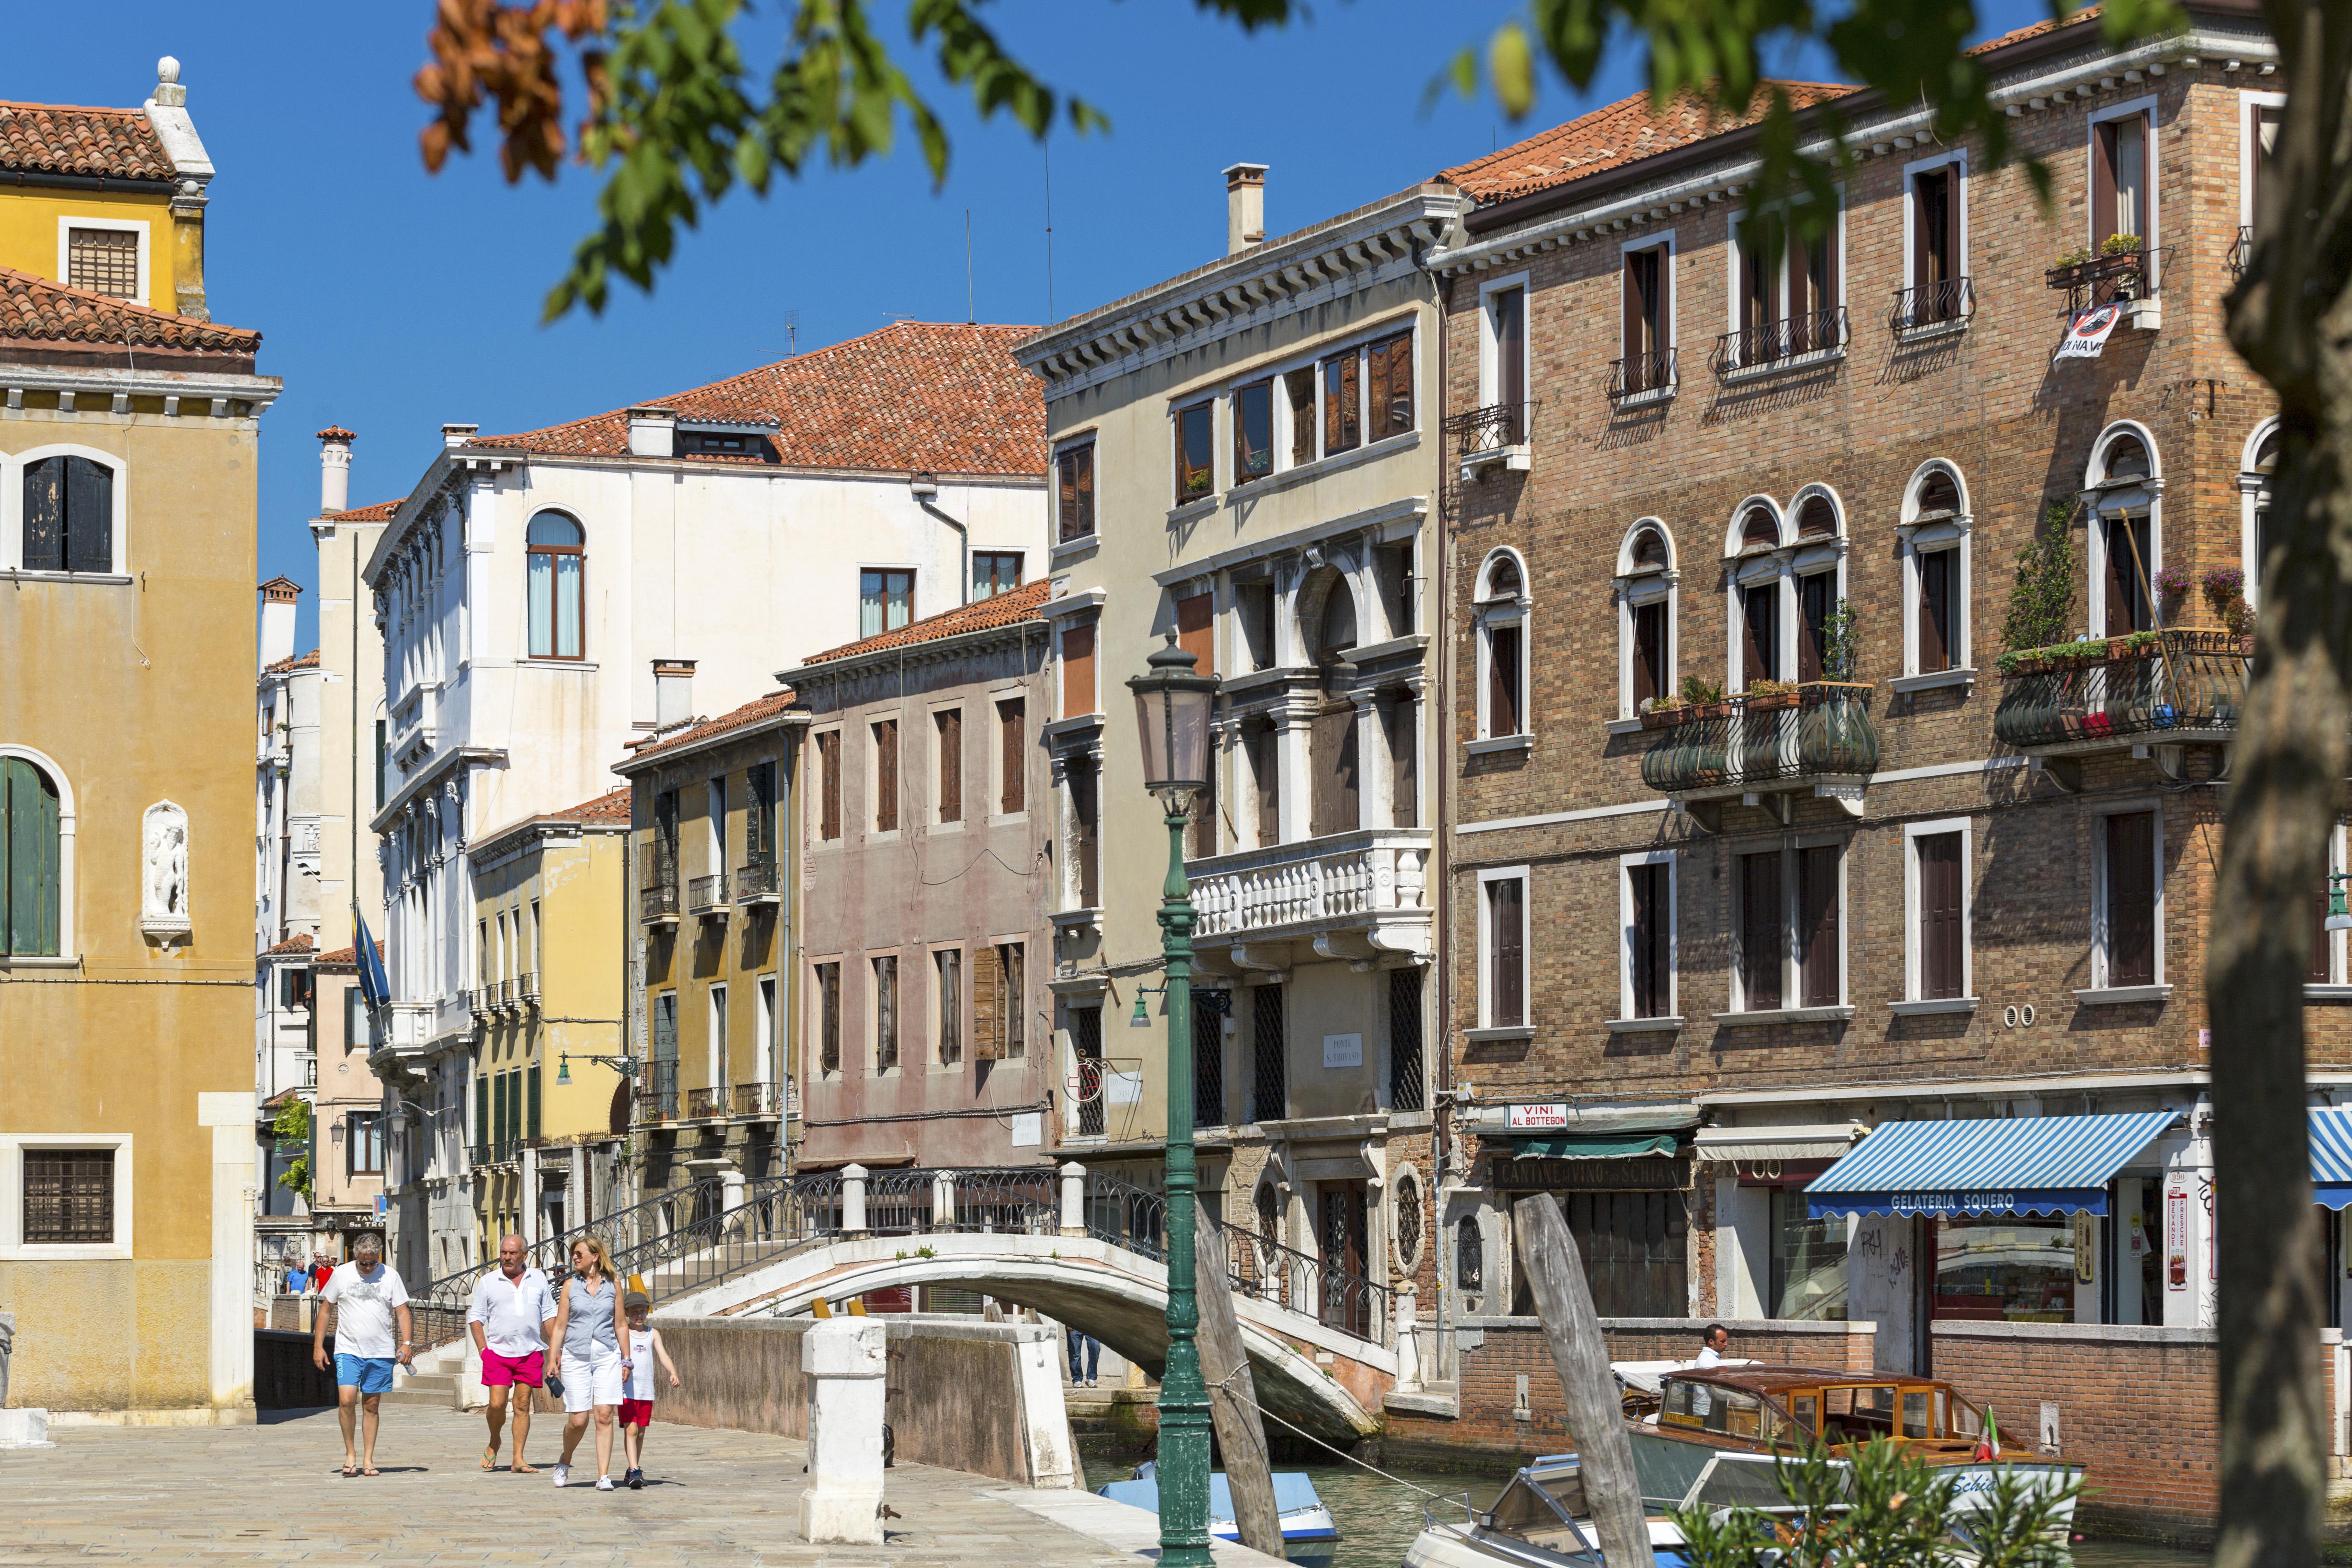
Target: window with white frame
column 1936, row 251
column 1503, row 358
column 1646, row 917
column 1934, row 535
column 1817, row 570
column 2125, row 488
column 1787, row 297
column 72, row 503
column 2255, row 471
column 65, row 1196
column 2122, row 174
column 768, row 1045
column 105, row 256
column 1646, row 333
column 1503, row 948
column 1502, row 614
column 1646, row 631
column 2127, row 897
column 1936, row 910
column 1789, row 930
column 2262, row 114
column 1757, row 585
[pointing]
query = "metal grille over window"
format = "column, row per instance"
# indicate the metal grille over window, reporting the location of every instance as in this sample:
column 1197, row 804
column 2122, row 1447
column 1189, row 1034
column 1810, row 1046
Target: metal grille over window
column 103, row 260
column 1269, row 1095
column 1407, row 1090
column 1209, row 1011
column 1085, row 1043
column 1408, row 1223
column 70, row 1196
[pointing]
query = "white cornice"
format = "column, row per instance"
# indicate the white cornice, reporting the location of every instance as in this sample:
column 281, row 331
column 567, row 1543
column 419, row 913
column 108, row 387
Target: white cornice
column 186, row 385
column 1410, row 511
column 1371, row 245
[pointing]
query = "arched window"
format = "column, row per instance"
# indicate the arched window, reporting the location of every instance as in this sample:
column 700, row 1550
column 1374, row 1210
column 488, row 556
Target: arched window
column 1818, row 584
column 1817, row 519
column 1502, row 649
column 1646, row 597
column 2127, row 458
column 32, row 860
column 69, row 515
column 2126, row 531
column 1649, row 552
column 1408, row 1223
column 2261, row 456
column 1339, row 631
column 554, row 543
column 1469, row 1257
column 1934, row 531
column 1758, row 526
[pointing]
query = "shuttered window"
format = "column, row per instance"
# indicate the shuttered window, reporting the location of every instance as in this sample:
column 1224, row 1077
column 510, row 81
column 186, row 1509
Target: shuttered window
column 2122, row 178
column 2131, row 898
column 1013, row 756
column 828, row 788
column 947, row 969
column 1506, row 940
column 31, row 869
column 1935, row 581
column 1649, row 938
column 1762, row 948
column 1265, row 752
column 1387, row 386
column 828, row 1017
column 1078, row 668
column 1646, row 275
column 1819, row 927
column 950, row 725
column 1649, row 651
column 530, row 1102
column 485, row 1128
column 987, row 1003
column 885, row 776
column 885, row 1013
column 1942, row 956
column 69, row 516
column 1336, row 806
column 1074, row 477
column 1343, row 430
column 1759, row 650
column 1508, row 308
column 1503, row 706
column 1399, row 717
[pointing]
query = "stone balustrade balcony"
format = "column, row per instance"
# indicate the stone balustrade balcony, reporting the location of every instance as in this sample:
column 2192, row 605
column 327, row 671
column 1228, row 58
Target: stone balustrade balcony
column 1354, row 895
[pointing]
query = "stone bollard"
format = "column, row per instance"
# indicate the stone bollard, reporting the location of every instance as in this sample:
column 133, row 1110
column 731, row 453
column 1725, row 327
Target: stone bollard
column 1408, row 1346
column 853, row 1200
column 845, row 1360
column 944, row 1200
column 1074, row 1199
column 21, row 1429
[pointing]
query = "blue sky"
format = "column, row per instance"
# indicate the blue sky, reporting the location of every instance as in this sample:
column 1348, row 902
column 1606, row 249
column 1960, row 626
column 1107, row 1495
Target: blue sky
column 392, row 300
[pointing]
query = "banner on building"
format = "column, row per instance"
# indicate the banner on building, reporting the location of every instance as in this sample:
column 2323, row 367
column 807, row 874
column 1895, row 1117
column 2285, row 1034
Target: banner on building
column 2088, row 332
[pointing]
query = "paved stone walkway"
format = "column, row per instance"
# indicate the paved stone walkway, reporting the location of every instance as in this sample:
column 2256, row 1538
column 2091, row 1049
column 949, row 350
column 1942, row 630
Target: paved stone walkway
column 274, row 1493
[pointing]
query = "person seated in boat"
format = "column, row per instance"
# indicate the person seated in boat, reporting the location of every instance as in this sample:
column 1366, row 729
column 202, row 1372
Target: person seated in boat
column 1713, row 1343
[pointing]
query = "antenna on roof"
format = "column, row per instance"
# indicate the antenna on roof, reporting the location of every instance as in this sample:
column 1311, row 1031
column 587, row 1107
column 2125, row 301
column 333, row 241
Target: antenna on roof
column 792, row 335
column 970, row 315
column 1047, row 148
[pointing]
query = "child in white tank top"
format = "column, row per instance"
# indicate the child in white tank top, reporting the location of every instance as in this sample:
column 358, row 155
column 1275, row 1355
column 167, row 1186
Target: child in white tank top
column 638, row 1397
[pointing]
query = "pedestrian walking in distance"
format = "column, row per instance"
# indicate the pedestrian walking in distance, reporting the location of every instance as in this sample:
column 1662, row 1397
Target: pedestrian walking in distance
column 1087, row 1349
column 587, row 1346
column 645, row 1348
column 512, row 1315
column 368, row 1300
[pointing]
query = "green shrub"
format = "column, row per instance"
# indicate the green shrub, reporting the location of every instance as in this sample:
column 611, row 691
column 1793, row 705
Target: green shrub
column 2041, row 599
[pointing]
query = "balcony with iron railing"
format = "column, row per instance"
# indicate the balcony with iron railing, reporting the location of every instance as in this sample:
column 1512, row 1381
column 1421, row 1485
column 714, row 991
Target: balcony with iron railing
column 1356, row 894
column 1817, row 737
column 656, row 1098
column 2242, row 251
column 1495, row 435
column 657, row 885
column 706, row 1104
column 2168, row 689
column 757, row 1102
column 1794, row 343
column 758, row 883
column 1932, row 309
column 707, row 896
column 2133, row 278
column 1642, row 378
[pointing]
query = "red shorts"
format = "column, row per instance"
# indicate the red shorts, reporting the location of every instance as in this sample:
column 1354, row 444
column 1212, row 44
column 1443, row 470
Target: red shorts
column 636, row 1413
column 498, row 1370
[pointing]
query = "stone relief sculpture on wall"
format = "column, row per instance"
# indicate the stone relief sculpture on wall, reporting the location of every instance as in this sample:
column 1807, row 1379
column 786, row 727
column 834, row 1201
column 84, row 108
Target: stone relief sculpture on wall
column 163, row 882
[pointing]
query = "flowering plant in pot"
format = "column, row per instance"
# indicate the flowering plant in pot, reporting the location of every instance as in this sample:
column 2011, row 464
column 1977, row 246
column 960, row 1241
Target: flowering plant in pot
column 2171, row 582
column 1763, row 695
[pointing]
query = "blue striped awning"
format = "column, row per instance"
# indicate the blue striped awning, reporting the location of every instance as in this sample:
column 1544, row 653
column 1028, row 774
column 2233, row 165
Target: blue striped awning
column 2331, row 1158
column 2026, row 1164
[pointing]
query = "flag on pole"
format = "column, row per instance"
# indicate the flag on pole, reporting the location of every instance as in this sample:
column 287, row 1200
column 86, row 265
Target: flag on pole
column 374, row 985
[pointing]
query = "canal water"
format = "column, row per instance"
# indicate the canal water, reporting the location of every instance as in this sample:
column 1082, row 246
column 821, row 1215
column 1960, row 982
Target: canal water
column 1377, row 1519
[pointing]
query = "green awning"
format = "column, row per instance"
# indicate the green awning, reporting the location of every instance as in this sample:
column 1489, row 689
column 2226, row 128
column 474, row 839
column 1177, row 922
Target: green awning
column 1623, row 1146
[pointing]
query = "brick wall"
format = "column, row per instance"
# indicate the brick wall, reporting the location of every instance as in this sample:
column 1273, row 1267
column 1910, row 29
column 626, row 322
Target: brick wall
column 2137, row 1407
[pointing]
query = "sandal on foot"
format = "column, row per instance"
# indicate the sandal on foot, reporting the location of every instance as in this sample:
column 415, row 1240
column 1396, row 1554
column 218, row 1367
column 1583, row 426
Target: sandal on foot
column 520, row 1468
column 490, row 1456
column 371, row 1470
column 349, row 1469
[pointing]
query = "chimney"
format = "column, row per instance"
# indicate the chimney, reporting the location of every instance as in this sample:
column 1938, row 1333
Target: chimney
column 1245, row 208
column 457, row 434
column 191, row 170
column 335, row 469
column 278, row 597
column 653, row 432
column 673, row 692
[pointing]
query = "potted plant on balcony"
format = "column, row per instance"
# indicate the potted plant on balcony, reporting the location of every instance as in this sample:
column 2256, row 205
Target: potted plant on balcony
column 1766, row 696
column 2171, row 584
column 1702, row 700
column 1663, row 712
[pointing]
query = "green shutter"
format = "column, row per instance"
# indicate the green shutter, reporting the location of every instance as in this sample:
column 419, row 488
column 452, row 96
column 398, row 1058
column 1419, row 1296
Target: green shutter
column 482, row 1134
column 29, row 864
column 530, row 1118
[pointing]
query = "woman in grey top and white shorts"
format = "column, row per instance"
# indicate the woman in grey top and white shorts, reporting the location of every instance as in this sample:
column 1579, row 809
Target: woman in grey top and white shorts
column 588, row 1346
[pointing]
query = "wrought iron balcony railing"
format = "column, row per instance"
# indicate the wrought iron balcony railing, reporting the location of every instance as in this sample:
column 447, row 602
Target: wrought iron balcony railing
column 757, row 1099
column 658, row 902
column 2242, row 251
column 2105, row 279
column 1642, row 376
column 657, row 1095
column 1949, row 303
column 1821, row 732
column 2173, row 687
column 761, row 882
column 706, row 1104
column 708, row 894
column 1783, row 343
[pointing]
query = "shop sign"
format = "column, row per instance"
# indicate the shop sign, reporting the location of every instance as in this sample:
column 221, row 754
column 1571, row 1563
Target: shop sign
column 2176, row 1238
column 2086, row 1244
column 1640, row 1174
column 1536, row 1119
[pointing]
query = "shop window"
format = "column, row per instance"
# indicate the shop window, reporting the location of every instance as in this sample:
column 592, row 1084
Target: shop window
column 2005, row 1267
column 1808, row 1277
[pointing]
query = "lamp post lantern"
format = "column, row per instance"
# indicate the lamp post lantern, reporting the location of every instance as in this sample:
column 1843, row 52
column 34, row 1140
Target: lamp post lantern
column 1171, row 715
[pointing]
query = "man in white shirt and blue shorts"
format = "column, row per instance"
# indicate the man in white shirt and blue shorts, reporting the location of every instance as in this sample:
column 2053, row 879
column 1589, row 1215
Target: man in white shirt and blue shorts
column 367, row 1297
column 512, row 1314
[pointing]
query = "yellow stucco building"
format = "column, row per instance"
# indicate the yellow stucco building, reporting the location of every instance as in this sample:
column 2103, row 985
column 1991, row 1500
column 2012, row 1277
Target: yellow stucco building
column 547, row 1135
column 127, row 548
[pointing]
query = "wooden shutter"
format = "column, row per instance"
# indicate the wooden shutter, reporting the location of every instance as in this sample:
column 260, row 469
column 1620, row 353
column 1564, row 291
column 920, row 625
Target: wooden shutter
column 1503, row 680
column 885, row 776
column 1935, row 611
column 1511, row 348
column 1335, row 805
column 2102, row 181
column 1265, row 769
column 1507, row 1005
column 1941, row 957
column 45, row 516
column 987, row 1004
column 530, row 1102
column 29, row 873
column 1761, row 950
column 1760, row 619
column 1649, row 651
column 2131, row 899
column 1342, row 404
column 1196, row 631
column 1404, row 761
column 1813, row 631
column 90, row 516
column 950, row 739
column 1012, row 725
column 1085, row 832
column 1649, row 938
column 1077, row 668
column 828, row 756
column 1817, row 928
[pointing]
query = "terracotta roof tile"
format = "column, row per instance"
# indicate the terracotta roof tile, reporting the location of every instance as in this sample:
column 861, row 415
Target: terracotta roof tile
column 380, row 512
column 1614, row 135
column 300, row 661
column 2045, row 26
column 301, row 943
column 65, row 139
column 35, row 309
column 1003, row 610
column 345, row 957
column 914, row 395
column 757, row 710
column 613, row 806
column 337, row 433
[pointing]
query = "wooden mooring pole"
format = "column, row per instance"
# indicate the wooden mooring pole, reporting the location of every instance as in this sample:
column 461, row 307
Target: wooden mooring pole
column 1232, row 1396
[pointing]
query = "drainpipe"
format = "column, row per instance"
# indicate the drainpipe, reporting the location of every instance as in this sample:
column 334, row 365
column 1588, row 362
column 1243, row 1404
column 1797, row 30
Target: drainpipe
column 925, row 487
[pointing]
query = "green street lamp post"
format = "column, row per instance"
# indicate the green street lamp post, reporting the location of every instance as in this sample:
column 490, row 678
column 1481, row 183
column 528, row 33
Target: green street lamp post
column 1171, row 712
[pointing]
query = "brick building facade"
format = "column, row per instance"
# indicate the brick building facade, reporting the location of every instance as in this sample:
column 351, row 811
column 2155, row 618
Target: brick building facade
column 1755, row 844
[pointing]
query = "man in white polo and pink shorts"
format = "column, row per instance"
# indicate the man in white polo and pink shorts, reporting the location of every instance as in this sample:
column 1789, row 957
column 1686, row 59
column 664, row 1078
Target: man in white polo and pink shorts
column 512, row 1314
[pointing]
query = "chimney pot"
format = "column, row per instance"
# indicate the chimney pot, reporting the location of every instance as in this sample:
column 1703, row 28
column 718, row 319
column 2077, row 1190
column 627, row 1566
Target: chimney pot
column 653, row 432
column 457, row 434
column 334, row 470
column 1245, row 208
column 673, row 692
column 279, row 596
